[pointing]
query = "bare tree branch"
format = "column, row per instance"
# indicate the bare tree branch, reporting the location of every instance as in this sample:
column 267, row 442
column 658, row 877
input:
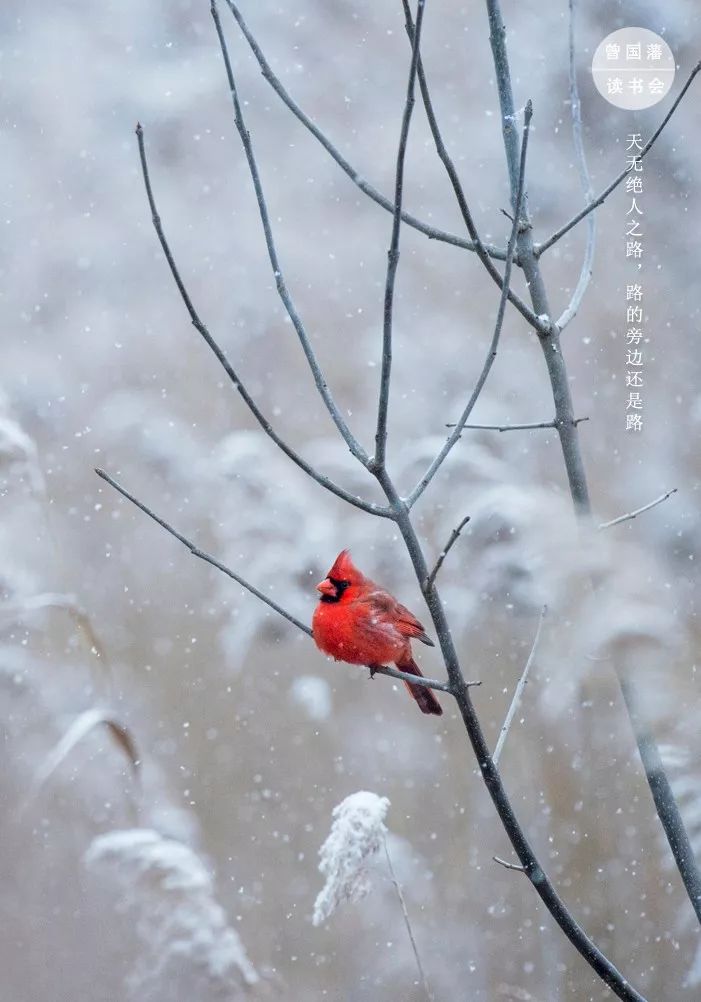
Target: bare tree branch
column 602, row 196
column 516, row 427
column 404, row 676
column 492, row 354
column 393, row 253
column 638, row 511
column 348, row 437
column 452, row 173
column 446, row 549
column 505, row 427
column 585, row 180
column 508, row 866
column 562, row 398
column 665, row 803
column 518, row 692
column 489, row 771
column 197, row 323
column 549, row 340
column 430, row 231
column 663, row 796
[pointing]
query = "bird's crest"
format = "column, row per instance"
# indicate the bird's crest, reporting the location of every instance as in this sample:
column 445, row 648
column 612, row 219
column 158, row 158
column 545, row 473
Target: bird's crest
column 344, row 569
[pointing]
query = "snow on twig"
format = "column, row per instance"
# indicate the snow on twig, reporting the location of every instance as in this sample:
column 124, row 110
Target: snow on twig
column 357, row 834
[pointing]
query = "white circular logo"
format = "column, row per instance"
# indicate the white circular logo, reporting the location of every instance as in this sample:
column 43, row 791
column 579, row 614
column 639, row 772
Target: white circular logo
column 633, row 68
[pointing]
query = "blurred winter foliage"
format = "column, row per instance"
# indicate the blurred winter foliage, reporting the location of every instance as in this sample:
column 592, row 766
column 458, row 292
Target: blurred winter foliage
column 313, row 694
column 247, row 736
column 188, row 945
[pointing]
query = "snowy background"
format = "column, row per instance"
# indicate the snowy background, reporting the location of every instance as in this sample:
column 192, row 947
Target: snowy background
column 248, row 737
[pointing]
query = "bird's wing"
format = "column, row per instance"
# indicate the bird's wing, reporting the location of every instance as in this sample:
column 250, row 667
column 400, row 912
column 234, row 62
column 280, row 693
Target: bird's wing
column 405, row 621
column 411, row 627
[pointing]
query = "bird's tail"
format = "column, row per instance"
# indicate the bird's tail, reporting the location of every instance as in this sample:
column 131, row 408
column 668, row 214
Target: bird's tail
column 424, row 696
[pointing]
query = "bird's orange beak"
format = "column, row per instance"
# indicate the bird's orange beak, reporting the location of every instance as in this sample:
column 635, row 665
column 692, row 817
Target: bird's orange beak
column 326, row 587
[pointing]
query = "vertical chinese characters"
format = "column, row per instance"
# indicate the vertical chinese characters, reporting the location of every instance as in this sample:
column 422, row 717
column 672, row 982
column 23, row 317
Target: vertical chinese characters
column 635, row 337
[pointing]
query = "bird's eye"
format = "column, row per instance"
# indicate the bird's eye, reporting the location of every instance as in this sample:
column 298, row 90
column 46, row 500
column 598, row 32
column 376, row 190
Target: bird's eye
column 339, row 585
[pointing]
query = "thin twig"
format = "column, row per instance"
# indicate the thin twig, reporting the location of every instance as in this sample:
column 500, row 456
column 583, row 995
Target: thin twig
column 638, row 511
column 199, row 326
column 393, row 252
column 452, row 173
column 446, row 549
column 515, row 427
column 602, row 196
column 505, row 427
column 407, row 923
column 508, row 866
column 208, row 558
column 319, row 380
column 518, row 693
column 585, row 180
column 492, row 354
column 429, row 683
column 432, row 232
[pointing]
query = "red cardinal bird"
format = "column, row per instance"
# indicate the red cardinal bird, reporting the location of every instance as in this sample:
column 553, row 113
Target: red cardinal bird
column 359, row 622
